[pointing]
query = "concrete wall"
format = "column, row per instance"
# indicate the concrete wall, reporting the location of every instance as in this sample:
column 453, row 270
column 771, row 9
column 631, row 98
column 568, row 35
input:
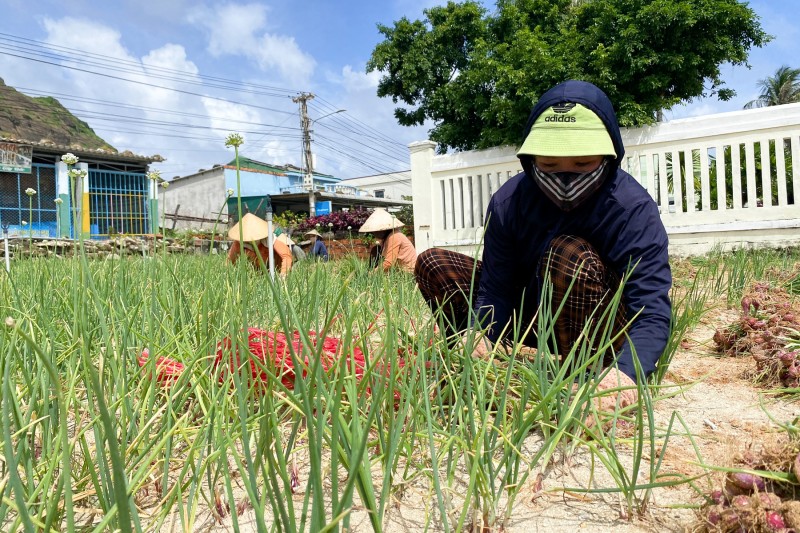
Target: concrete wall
column 201, row 195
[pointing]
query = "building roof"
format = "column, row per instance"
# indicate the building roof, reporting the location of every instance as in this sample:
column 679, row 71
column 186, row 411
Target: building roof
column 218, row 168
column 245, row 163
column 99, row 153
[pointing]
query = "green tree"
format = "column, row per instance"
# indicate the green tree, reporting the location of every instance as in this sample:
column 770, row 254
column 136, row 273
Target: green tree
column 781, row 88
column 475, row 76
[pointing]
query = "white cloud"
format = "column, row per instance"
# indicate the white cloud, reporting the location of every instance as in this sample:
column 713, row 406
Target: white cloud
column 86, row 35
column 168, row 57
column 281, row 52
column 225, row 114
column 185, row 147
column 354, row 80
column 240, row 30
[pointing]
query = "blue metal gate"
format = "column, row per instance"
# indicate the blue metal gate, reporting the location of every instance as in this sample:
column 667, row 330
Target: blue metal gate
column 118, row 203
column 29, row 215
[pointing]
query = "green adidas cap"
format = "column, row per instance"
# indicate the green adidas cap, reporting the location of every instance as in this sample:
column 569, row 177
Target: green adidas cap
column 568, row 129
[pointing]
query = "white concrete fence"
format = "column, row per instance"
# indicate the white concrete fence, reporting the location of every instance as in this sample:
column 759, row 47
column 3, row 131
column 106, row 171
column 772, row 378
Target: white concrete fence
column 729, row 180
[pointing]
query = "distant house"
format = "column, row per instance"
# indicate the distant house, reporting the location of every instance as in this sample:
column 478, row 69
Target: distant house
column 392, row 185
column 116, row 197
column 200, row 200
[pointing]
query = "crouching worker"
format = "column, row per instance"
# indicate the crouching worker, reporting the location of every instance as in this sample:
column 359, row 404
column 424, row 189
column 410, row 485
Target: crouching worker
column 318, row 249
column 298, row 254
column 573, row 217
column 254, row 233
column 393, row 248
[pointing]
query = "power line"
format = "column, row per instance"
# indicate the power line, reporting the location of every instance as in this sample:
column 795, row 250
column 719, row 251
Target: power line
column 173, row 89
column 53, row 51
column 376, row 133
column 355, row 140
column 85, row 115
column 122, row 105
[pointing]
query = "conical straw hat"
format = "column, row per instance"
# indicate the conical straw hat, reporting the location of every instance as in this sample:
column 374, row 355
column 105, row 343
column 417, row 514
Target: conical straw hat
column 253, row 229
column 380, row 220
column 285, row 239
column 313, row 232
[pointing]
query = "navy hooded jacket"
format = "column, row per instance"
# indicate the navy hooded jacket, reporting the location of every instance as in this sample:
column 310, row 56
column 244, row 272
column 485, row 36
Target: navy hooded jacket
column 621, row 221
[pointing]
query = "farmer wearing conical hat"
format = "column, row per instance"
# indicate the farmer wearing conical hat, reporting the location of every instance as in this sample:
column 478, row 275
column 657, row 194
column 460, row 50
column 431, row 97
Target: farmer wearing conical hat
column 393, row 247
column 318, row 249
column 297, row 253
column 254, row 233
column 572, row 218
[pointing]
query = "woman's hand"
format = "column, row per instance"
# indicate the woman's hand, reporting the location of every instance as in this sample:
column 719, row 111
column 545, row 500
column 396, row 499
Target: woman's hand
column 615, row 391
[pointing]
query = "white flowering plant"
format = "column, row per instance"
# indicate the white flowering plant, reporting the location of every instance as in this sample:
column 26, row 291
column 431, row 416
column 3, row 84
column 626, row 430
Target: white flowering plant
column 77, row 173
column 70, row 159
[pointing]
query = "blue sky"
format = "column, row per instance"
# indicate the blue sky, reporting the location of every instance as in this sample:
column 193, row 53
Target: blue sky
column 177, row 75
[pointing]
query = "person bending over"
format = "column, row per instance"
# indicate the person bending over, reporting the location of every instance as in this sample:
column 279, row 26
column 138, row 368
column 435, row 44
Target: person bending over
column 571, row 216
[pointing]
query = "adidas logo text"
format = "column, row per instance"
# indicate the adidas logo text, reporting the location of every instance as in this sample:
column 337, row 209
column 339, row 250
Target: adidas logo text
column 556, row 118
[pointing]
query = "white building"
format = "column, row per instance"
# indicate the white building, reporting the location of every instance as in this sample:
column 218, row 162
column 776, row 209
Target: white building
column 393, row 185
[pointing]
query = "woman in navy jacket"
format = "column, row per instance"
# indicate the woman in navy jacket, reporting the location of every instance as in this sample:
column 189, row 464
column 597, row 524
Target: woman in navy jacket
column 571, row 206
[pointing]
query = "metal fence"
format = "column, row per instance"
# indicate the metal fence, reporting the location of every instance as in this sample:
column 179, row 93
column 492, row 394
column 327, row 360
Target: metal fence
column 731, row 179
column 29, row 215
column 118, row 203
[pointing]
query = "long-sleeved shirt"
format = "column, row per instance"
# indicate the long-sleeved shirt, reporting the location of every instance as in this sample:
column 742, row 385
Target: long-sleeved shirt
column 281, row 253
column 319, row 250
column 621, row 221
column 397, row 249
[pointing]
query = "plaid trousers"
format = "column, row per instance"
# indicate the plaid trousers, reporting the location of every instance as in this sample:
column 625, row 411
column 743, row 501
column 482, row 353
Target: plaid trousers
column 446, row 279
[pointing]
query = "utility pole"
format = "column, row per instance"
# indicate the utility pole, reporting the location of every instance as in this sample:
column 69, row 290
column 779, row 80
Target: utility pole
column 308, row 179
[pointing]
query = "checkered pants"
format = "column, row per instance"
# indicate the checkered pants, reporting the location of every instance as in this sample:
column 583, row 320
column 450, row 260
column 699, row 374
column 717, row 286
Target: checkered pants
column 445, row 279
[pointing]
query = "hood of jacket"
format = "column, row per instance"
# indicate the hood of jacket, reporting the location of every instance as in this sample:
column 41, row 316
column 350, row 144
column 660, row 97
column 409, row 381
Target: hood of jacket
column 588, row 95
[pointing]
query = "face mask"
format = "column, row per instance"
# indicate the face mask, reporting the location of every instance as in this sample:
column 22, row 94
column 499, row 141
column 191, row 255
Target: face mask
column 568, row 190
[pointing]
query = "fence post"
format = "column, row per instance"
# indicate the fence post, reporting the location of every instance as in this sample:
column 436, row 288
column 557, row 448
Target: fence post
column 154, row 206
column 421, row 161
column 64, row 208
column 85, row 212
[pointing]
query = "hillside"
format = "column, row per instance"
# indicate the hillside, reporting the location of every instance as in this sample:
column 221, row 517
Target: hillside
column 43, row 119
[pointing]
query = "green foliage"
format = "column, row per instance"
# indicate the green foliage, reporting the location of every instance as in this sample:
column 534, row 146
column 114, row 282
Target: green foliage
column 288, row 219
column 44, row 117
column 406, row 214
column 476, row 76
column 781, row 88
